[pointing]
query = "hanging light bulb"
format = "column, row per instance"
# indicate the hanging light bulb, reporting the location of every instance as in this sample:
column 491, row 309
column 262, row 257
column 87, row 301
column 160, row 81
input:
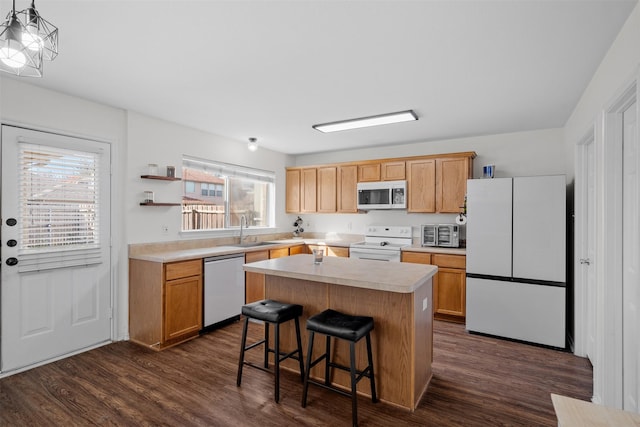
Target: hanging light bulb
column 11, row 51
column 15, row 57
column 39, row 33
column 253, row 144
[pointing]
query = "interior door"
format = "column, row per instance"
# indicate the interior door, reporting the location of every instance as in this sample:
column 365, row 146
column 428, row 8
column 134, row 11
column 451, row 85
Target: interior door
column 630, row 260
column 589, row 249
column 56, row 282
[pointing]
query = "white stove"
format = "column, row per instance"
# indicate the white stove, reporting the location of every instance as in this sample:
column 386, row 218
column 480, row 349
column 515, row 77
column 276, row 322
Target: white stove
column 382, row 243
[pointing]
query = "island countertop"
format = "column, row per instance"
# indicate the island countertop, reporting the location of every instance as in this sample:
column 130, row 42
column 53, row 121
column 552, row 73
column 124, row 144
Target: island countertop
column 360, row 273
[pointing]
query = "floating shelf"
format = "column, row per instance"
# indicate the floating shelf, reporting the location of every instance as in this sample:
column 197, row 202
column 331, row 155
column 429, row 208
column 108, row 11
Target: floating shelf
column 160, row 177
column 158, row 204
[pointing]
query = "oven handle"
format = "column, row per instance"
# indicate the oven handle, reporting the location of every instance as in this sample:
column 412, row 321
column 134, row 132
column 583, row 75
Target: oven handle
column 375, row 259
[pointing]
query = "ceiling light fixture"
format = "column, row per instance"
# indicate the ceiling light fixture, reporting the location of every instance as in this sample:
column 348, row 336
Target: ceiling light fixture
column 253, row 144
column 382, row 119
column 41, row 34
column 26, row 39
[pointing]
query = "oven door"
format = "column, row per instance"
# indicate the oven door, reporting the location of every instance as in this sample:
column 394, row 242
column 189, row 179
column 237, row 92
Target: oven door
column 389, row 255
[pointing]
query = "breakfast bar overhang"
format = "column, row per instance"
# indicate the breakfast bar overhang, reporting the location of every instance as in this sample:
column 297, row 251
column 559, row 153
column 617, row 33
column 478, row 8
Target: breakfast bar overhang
column 398, row 297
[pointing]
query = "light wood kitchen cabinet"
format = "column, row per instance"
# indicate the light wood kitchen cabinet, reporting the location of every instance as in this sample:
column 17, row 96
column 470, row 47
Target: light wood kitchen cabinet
column 416, row 257
column 338, row 251
column 308, row 190
column 421, row 185
column 449, row 283
column 254, row 282
column 438, row 184
column 347, row 196
column 292, row 202
column 327, row 186
column 369, row 172
column 451, row 183
column 299, row 249
column 392, row 171
column 165, row 302
column 449, row 287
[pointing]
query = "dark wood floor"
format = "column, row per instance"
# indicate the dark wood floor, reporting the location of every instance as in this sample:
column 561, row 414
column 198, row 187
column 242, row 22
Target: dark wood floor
column 478, row 381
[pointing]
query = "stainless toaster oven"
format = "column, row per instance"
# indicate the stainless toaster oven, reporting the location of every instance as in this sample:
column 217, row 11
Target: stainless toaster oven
column 445, row 235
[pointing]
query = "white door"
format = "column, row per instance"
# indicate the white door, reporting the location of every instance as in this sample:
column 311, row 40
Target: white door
column 56, row 283
column 630, row 260
column 588, row 249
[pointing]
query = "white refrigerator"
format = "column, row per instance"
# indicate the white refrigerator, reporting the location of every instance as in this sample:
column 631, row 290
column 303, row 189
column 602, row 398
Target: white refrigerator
column 516, row 258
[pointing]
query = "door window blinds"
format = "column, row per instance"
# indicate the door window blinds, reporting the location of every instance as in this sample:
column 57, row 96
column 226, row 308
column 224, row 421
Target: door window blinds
column 59, row 207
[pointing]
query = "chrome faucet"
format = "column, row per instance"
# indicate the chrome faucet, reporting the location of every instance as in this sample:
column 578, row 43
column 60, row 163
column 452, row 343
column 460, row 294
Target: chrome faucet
column 243, row 223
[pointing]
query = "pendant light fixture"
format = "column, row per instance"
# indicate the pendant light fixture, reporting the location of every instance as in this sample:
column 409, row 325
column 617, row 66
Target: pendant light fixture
column 253, row 144
column 41, row 34
column 26, row 40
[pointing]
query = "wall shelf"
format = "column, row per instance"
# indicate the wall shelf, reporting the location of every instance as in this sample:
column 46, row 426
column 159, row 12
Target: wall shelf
column 158, row 204
column 160, row 177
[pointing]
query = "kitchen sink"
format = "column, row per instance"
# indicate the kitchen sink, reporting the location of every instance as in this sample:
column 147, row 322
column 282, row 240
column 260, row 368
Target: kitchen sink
column 251, row 244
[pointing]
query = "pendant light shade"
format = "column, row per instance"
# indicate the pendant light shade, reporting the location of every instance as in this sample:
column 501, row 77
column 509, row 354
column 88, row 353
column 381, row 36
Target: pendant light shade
column 40, row 34
column 26, row 40
column 15, row 57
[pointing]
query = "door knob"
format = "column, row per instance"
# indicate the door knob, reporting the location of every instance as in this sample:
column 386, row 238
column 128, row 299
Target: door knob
column 585, row 261
column 12, row 261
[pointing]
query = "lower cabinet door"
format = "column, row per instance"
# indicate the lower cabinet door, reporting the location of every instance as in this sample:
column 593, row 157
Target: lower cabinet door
column 182, row 308
column 449, row 292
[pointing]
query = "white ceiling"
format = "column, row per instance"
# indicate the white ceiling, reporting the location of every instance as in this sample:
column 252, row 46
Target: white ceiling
column 272, row 69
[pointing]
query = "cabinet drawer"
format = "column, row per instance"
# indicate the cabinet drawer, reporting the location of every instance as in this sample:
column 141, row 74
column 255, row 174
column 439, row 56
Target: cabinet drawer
column 338, row 251
column 256, row 256
column 416, row 257
column 300, row 249
column 177, row 270
column 451, row 261
column 278, row 253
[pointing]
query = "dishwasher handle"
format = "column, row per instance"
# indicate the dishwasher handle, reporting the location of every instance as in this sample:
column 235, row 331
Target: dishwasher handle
column 223, row 257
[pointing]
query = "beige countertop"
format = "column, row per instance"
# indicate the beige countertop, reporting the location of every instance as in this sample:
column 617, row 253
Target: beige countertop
column 578, row 413
column 435, row 250
column 187, row 254
column 361, row 273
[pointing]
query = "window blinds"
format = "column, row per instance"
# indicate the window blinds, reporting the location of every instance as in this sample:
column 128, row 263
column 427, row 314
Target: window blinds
column 59, row 207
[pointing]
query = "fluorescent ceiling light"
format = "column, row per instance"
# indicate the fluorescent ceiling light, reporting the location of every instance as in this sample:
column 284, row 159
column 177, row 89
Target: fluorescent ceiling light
column 382, row 119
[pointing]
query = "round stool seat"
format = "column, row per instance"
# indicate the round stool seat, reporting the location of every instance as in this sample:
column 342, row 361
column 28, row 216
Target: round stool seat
column 272, row 311
column 344, row 326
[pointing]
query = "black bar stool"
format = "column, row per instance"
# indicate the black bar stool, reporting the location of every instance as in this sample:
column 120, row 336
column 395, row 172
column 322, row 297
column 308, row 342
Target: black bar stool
column 334, row 324
column 271, row 313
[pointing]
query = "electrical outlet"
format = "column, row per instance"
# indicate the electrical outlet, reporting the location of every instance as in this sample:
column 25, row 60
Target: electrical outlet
column 165, row 229
column 425, row 303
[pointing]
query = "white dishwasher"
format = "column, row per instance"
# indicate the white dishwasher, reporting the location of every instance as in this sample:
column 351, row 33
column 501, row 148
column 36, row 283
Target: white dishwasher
column 223, row 289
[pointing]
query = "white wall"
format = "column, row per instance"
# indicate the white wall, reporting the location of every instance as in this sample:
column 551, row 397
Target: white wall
column 618, row 67
column 153, row 140
column 515, row 154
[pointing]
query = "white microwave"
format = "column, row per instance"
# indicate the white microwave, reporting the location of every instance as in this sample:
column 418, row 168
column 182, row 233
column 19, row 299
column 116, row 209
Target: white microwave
column 382, row 195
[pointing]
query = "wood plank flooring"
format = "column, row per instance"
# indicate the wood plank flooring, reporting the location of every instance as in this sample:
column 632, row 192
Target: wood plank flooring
column 478, row 381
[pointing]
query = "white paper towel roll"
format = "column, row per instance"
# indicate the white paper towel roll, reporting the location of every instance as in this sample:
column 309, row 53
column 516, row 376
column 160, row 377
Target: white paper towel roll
column 461, row 219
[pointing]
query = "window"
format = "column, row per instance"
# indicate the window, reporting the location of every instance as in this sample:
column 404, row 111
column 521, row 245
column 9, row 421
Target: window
column 189, row 187
column 227, row 192
column 59, row 206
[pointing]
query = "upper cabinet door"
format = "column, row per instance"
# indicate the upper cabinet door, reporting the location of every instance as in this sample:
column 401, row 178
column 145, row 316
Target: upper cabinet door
column 308, row 190
column 393, row 171
column 369, row 172
column 451, row 183
column 347, row 189
column 293, row 191
column 327, row 177
column 421, row 178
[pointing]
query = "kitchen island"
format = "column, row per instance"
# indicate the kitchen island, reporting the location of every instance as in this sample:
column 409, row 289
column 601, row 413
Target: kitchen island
column 397, row 295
